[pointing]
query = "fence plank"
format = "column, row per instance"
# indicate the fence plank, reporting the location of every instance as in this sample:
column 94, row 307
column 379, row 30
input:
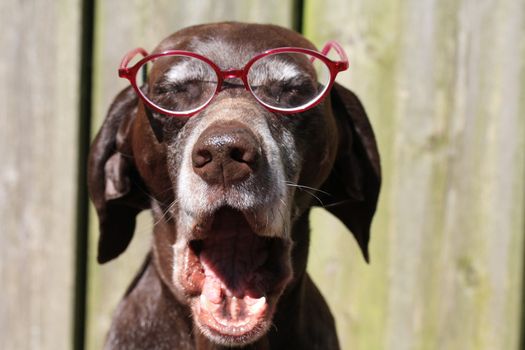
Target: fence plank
column 120, row 26
column 444, row 84
column 39, row 100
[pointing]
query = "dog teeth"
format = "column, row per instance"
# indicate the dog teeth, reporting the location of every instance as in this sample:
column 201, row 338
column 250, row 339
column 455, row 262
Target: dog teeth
column 205, row 302
column 208, row 304
column 255, row 305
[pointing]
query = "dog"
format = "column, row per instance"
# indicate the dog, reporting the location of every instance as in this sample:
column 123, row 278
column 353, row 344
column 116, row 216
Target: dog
column 230, row 188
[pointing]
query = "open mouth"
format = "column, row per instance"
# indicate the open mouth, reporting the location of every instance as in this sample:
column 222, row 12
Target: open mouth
column 235, row 277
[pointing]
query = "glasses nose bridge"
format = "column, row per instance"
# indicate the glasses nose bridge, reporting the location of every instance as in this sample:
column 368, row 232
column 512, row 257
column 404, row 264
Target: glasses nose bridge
column 232, row 74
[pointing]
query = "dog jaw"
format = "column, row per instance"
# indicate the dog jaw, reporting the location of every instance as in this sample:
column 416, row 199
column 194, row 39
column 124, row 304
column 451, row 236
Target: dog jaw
column 232, row 276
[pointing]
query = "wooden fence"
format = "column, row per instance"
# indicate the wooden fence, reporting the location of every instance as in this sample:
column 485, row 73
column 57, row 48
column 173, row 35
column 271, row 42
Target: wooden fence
column 444, row 85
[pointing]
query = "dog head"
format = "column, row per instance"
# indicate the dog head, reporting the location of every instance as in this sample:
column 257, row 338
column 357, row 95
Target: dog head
column 227, row 185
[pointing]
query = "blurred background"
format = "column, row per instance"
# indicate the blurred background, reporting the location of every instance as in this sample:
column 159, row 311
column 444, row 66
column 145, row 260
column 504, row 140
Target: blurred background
column 444, row 86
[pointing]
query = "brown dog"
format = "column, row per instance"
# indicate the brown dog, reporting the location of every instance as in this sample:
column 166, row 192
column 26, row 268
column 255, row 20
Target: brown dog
column 230, row 189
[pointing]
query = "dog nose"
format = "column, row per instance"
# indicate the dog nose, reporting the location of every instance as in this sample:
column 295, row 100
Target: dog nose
column 226, row 154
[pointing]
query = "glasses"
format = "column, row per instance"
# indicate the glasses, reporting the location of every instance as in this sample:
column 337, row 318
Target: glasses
column 284, row 80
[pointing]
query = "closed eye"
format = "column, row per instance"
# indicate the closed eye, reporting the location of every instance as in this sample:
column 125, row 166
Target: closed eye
column 169, row 87
column 181, row 86
column 297, row 85
column 293, row 92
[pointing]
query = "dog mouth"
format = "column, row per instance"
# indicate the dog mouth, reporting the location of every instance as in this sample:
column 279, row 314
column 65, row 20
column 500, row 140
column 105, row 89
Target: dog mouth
column 234, row 276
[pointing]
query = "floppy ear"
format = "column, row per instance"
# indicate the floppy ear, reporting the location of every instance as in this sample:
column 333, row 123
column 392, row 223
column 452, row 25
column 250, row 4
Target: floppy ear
column 352, row 188
column 113, row 181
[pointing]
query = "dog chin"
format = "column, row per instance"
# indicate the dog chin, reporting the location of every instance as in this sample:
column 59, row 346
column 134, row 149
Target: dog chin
column 233, row 321
column 234, row 276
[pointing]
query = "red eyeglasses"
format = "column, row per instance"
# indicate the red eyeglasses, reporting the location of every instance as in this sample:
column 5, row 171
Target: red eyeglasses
column 284, row 80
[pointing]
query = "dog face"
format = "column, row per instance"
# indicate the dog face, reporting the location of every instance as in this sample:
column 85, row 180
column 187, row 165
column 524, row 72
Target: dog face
column 225, row 186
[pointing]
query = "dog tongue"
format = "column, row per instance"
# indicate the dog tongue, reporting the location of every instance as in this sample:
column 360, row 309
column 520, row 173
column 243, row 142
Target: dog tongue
column 230, row 256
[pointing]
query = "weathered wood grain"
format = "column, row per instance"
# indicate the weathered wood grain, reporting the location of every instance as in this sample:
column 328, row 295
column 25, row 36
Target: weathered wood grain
column 444, row 85
column 121, row 26
column 39, row 69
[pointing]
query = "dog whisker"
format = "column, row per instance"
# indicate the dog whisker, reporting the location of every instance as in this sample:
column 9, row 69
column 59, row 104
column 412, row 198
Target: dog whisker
column 303, row 187
column 309, row 190
column 336, row 203
column 170, row 188
column 144, row 191
column 165, row 212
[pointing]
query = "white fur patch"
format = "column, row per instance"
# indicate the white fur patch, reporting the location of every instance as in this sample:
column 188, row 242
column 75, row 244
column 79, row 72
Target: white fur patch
column 190, row 69
column 273, row 70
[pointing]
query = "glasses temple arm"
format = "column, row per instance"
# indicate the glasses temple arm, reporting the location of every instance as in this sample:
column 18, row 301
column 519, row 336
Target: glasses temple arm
column 123, row 69
column 343, row 63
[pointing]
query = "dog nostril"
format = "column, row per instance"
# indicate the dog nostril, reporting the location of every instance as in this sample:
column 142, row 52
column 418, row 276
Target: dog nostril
column 243, row 156
column 201, row 158
column 237, row 154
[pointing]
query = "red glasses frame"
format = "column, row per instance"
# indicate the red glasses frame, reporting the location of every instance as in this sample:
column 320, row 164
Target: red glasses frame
column 130, row 73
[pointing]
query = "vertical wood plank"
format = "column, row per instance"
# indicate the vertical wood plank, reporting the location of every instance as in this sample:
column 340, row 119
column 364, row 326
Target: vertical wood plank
column 121, row 26
column 444, row 84
column 39, row 68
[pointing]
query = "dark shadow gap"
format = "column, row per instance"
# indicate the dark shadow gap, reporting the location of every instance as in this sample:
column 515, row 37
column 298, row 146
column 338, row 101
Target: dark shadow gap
column 522, row 328
column 298, row 15
column 84, row 134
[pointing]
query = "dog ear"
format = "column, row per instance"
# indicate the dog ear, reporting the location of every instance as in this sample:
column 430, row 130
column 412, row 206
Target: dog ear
column 352, row 188
column 113, row 181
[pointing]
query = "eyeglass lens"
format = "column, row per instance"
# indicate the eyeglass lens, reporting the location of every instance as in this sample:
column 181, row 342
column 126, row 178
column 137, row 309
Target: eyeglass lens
column 285, row 81
column 187, row 83
column 288, row 80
